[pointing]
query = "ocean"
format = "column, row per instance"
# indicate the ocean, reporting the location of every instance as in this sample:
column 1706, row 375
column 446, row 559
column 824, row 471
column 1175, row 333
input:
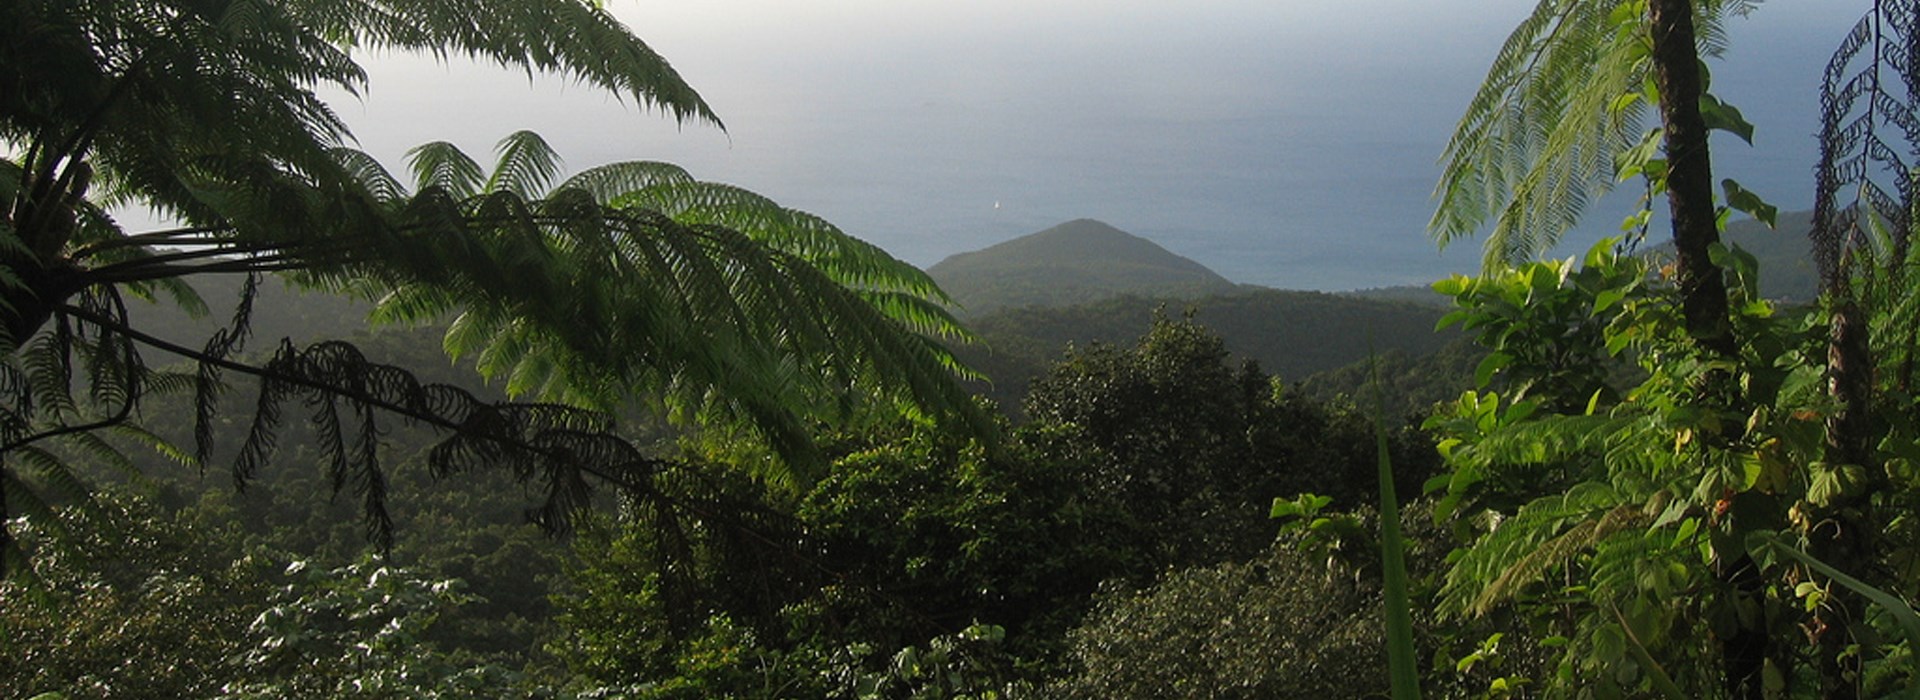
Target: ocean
column 1289, row 156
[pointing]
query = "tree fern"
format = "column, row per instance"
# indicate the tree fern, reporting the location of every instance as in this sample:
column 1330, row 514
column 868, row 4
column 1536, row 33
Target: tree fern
column 441, row 165
column 1541, row 535
column 1564, row 96
column 759, row 285
column 1869, row 134
column 525, row 165
column 208, row 113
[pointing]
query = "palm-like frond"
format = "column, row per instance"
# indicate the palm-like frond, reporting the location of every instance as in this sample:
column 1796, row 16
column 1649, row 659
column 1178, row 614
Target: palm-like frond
column 849, row 260
column 207, row 113
column 441, row 165
column 712, row 302
column 607, row 182
column 588, row 302
column 371, row 175
column 1542, row 535
column 525, row 167
column 1538, row 141
column 575, row 38
column 1869, row 140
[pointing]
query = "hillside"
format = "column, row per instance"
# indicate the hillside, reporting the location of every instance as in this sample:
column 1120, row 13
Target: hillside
column 1785, row 255
column 1291, row 334
column 280, row 311
column 1076, row 262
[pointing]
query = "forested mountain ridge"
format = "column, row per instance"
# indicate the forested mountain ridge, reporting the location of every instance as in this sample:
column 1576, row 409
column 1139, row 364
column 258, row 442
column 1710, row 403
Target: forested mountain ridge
column 1784, row 254
column 1083, row 282
column 1076, row 262
column 1291, row 334
column 1294, row 335
column 1786, row 261
column 279, row 311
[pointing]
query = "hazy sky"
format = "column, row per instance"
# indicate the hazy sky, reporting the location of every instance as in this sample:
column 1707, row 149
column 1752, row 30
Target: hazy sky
column 1280, row 142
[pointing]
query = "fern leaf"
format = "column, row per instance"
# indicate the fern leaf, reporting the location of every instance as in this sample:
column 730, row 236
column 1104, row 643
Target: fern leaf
column 1537, row 142
column 441, row 165
column 1505, row 558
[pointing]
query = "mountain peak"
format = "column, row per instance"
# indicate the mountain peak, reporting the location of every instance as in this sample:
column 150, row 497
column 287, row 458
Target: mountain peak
column 1073, row 263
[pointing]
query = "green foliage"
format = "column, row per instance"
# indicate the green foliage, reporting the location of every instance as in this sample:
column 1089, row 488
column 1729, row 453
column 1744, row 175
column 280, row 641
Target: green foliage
column 167, row 606
column 104, row 617
column 1283, row 625
column 1292, row 334
column 1544, row 325
column 1413, row 383
column 628, row 283
column 1179, row 434
column 658, row 257
column 1556, row 122
column 925, row 566
column 356, row 631
column 877, row 584
column 1614, row 520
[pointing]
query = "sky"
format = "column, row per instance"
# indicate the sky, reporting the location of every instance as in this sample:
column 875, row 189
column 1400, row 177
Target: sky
column 1286, row 143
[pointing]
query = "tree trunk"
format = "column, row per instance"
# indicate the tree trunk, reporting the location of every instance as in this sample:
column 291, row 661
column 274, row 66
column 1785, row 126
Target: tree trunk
column 1676, row 67
column 1703, row 295
column 1845, row 537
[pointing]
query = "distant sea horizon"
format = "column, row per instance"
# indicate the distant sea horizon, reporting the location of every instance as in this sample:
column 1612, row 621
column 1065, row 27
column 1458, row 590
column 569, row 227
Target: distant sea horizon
column 1281, row 188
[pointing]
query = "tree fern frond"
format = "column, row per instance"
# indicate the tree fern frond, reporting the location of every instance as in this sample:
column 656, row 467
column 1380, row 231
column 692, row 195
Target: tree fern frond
column 1555, row 553
column 370, row 481
column 441, row 165
column 179, row 292
column 1537, row 142
column 1545, row 440
column 157, row 444
column 525, row 167
column 92, row 445
column 848, row 260
column 714, row 311
column 47, row 475
column 1573, row 519
column 1869, row 139
column 576, row 38
column 370, row 174
column 263, row 435
column 1618, row 561
column 608, row 182
column 49, row 372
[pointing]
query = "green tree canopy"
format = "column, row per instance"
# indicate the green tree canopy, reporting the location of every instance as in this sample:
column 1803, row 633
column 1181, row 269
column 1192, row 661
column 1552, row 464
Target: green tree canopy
column 711, row 303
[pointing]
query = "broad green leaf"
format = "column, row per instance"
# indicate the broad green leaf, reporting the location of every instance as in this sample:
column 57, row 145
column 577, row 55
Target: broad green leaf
column 1744, row 200
column 1453, row 286
column 1606, row 299
column 1483, row 374
column 1725, row 117
column 1609, row 644
column 1632, row 162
